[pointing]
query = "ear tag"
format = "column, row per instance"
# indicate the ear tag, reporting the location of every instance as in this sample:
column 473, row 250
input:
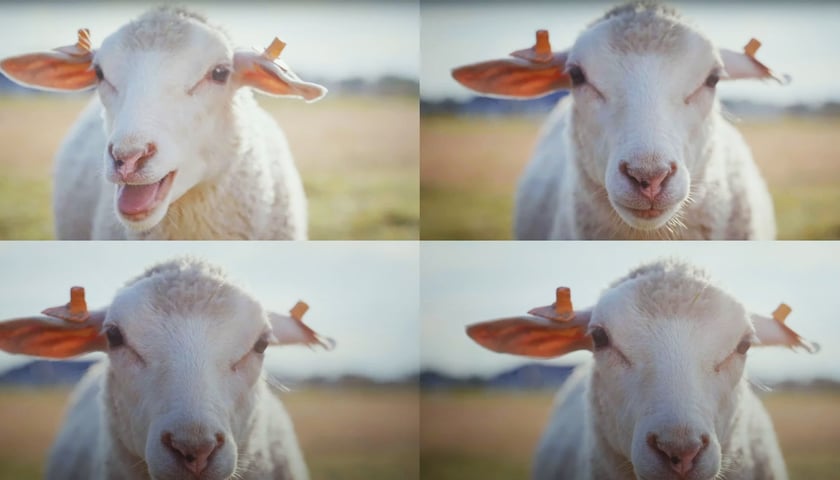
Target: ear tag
column 74, row 311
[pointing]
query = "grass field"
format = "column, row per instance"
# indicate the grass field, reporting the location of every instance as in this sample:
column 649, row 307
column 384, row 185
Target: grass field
column 345, row 434
column 470, row 166
column 358, row 157
column 488, row 436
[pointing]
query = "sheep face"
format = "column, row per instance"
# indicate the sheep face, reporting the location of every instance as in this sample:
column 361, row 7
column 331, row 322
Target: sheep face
column 198, row 346
column 168, row 99
column 641, row 118
column 667, row 374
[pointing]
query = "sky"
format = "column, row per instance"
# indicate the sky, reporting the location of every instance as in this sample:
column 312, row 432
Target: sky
column 799, row 39
column 325, row 40
column 364, row 295
column 469, row 282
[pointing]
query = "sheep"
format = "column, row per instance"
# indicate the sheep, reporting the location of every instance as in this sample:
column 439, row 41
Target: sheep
column 639, row 149
column 180, row 393
column 188, row 153
column 666, row 396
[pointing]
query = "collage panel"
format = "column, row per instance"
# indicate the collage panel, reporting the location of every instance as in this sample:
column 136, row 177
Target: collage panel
column 586, row 120
column 325, row 149
column 201, row 342
column 413, row 146
column 654, row 360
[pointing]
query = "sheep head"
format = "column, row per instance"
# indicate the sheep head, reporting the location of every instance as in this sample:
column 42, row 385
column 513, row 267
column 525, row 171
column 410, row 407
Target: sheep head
column 644, row 108
column 184, row 332
column 669, row 353
column 170, row 84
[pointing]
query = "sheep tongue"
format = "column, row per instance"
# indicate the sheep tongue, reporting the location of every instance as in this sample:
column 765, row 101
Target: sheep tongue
column 134, row 199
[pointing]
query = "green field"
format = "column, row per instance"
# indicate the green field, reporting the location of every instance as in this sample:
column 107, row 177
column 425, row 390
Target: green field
column 471, row 164
column 345, row 434
column 475, row 435
column 358, row 158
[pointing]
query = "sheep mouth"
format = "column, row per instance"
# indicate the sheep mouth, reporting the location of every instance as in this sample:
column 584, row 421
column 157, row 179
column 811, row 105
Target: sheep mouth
column 136, row 202
column 646, row 214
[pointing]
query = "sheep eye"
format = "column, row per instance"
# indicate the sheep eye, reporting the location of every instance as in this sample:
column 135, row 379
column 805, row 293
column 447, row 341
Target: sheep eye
column 600, row 338
column 743, row 347
column 712, row 80
column 577, row 76
column 261, row 345
column 220, row 74
column 98, row 71
column 114, row 336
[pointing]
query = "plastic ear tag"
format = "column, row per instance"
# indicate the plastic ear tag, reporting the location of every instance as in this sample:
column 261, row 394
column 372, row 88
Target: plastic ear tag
column 540, row 52
column 561, row 310
column 74, row 311
column 275, row 49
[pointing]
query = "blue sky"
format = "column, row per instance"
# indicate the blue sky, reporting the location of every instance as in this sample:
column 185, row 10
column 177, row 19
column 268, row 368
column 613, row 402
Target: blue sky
column 362, row 294
column 469, row 282
column 799, row 38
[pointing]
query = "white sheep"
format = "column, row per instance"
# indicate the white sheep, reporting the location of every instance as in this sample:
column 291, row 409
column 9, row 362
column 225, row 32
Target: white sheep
column 639, row 149
column 180, row 394
column 666, row 396
column 188, row 153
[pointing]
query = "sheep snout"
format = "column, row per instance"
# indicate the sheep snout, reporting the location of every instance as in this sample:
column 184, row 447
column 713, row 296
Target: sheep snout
column 648, row 181
column 678, row 452
column 128, row 162
column 645, row 193
column 192, row 453
column 193, row 450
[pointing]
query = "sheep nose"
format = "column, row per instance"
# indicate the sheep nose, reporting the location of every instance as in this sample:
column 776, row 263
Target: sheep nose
column 648, row 181
column 193, row 454
column 129, row 161
column 679, row 453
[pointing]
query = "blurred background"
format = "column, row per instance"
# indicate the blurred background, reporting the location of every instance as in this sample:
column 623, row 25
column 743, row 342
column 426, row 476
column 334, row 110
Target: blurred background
column 483, row 412
column 474, row 148
column 355, row 408
column 357, row 149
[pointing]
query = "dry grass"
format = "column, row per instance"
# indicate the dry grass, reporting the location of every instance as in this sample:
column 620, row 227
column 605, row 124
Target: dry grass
column 478, row 435
column 358, row 157
column 470, row 166
column 344, row 434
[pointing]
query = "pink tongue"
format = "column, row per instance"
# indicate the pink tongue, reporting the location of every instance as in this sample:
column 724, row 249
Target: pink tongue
column 134, row 199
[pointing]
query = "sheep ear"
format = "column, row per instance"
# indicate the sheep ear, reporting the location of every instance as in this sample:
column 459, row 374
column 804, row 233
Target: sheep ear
column 532, row 336
column 745, row 65
column 773, row 331
column 531, row 73
column 265, row 73
column 64, row 69
column 62, row 332
column 290, row 329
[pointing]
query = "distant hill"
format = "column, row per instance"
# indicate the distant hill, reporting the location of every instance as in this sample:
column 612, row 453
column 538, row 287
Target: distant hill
column 40, row 373
column 486, row 106
column 527, row 377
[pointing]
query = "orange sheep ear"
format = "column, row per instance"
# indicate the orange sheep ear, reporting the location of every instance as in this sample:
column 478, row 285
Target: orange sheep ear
column 531, row 73
column 66, row 68
column 552, row 331
column 745, row 65
column 264, row 72
column 772, row 331
column 63, row 332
